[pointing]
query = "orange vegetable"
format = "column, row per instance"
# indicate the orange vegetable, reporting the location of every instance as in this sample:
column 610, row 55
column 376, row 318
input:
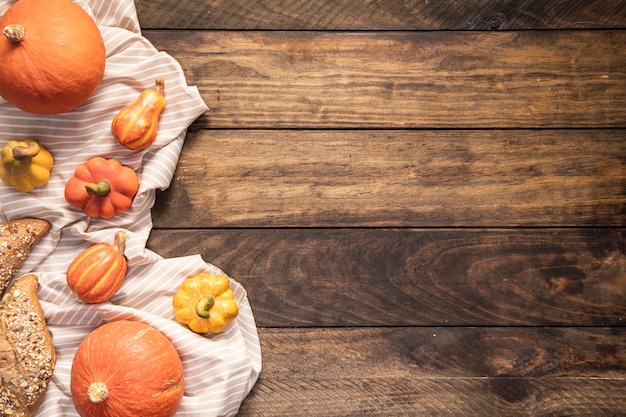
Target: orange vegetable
column 102, row 187
column 126, row 369
column 135, row 126
column 97, row 273
column 52, row 56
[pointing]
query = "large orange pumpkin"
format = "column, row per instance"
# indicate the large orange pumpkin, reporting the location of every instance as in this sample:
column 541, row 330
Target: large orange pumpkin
column 52, row 56
column 126, row 369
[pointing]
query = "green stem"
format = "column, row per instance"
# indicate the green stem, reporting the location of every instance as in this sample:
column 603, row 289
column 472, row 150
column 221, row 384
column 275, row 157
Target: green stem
column 101, row 188
column 203, row 306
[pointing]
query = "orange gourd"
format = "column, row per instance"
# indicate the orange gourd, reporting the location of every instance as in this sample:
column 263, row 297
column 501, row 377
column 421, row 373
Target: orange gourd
column 102, row 187
column 52, row 56
column 126, row 369
column 135, row 126
column 97, row 273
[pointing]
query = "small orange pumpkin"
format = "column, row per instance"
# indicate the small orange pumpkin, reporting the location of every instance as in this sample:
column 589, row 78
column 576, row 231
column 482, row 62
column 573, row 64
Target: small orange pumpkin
column 102, row 187
column 52, row 56
column 97, row 273
column 126, row 369
column 135, row 126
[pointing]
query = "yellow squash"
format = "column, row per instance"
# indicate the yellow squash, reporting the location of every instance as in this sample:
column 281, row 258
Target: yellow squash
column 205, row 303
column 25, row 164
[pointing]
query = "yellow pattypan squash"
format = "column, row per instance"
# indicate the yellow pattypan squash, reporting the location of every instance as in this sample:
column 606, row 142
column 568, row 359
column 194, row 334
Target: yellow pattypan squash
column 205, row 303
column 25, row 164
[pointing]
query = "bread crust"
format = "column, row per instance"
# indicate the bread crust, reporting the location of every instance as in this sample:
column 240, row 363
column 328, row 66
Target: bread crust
column 17, row 238
column 27, row 356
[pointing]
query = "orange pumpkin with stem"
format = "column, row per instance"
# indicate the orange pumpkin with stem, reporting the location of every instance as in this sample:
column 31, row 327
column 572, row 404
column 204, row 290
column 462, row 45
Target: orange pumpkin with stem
column 126, row 369
column 97, row 273
column 102, row 187
column 52, row 56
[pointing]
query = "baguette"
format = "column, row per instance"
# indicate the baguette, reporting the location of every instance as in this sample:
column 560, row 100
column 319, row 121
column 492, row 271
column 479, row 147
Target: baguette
column 17, row 238
column 27, row 357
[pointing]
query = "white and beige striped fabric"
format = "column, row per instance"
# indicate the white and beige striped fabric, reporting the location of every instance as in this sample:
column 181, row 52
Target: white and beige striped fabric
column 220, row 369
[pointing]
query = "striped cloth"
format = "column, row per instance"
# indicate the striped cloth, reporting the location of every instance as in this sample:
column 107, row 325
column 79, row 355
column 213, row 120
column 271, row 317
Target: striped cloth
column 220, row 370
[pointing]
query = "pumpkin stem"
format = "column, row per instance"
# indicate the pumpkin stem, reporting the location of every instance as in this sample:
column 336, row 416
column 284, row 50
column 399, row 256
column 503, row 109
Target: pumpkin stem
column 160, row 86
column 101, row 188
column 204, row 305
column 120, row 242
column 25, row 152
column 14, row 32
column 97, row 392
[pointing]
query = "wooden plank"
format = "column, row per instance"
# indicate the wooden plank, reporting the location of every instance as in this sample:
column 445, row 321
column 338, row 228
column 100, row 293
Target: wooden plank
column 444, row 352
column 440, row 371
column 529, row 79
column 444, row 277
column 468, row 397
column 382, row 15
column 337, row 178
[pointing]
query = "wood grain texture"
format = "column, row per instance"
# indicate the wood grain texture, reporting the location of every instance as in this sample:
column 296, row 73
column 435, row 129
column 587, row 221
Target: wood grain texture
column 468, row 397
column 425, row 200
column 365, row 178
column 444, row 352
column 440, row 371
column 374, row 277
column 382, row 14
column 556, row 79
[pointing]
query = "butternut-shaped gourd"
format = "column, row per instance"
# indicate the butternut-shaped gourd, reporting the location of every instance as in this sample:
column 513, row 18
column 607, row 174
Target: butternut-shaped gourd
column 97, row 273
column 135, row 126
column 25, row 164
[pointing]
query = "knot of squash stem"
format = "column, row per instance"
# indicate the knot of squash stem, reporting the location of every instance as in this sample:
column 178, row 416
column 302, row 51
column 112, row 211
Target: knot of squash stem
column 14, row 32
column 203, row 306
column 29, row 151
column 100, row 188
column 119, row 242
column 97, row 392
column 160, row 86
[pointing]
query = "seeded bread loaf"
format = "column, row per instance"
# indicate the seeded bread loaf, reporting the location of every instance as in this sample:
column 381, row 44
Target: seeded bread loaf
column 27, row 356
column 17, row 238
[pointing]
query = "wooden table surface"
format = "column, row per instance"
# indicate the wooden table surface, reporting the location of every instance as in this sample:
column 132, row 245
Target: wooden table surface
column 425, row 200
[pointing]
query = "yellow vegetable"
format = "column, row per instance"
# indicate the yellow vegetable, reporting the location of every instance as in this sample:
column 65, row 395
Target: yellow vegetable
column 25, row 164
column 205, row 303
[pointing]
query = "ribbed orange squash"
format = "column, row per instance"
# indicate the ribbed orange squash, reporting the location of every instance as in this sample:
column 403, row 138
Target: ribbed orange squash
column 126, row 369
column 102, row 187
column 97, row 273
column 52, row 56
